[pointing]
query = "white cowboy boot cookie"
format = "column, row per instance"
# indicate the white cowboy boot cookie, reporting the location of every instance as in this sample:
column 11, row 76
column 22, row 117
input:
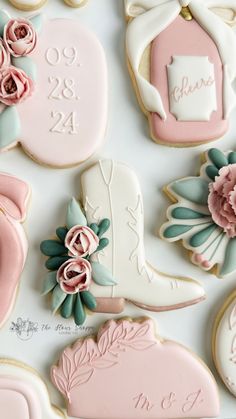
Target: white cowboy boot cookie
column 101, row 273
column 36, row 4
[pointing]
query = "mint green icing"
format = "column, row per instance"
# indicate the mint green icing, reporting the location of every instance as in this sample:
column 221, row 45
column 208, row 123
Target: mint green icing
column 94, row 227
column 102, row 275
column 217, row 158
column 176, row 230
column 55, row 262
column 10, row 126
column 230, row 258
column 61, row 233
column 27, row 65
column 79, row 313
column 199, row 238
column 192, row 189
column 4, row 18
column 37, row 21
column 212, row 172
column 183, row 213
column 102, row 244
column 49, row 283
column 89, row 300
column 67, row 306
column 52, row 248
column 58, row 296
column 232, row 157
column 103, row 226
column 75, row 215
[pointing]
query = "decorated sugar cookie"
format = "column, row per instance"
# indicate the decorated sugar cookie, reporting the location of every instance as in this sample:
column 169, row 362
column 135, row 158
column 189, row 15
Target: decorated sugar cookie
column 224, row 343
column 182, row 59
column 48, row 88
column 140, row 374
column 98, row 259
column 36, row 4
column 203, row 215
column 14, row 196
column 23, row 395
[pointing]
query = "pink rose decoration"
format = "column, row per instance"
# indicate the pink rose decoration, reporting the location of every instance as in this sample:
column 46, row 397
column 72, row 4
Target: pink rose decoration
column 15, row 86
column 20, row 37
column 81, row 241
column 222, row 200
column 4, row 55
column 74, row 276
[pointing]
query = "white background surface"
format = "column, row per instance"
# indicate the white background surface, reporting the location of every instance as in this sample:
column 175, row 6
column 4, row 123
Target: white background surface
column 127, row 140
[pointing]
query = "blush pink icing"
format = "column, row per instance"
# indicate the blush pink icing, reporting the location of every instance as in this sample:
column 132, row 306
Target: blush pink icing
column 81, row 241
column 15, row 86
column 4, row 55
column 132, row 374
column 20, row 37
column 13, row 200
column 222, row 199
column 74, row 275
column 185, row 38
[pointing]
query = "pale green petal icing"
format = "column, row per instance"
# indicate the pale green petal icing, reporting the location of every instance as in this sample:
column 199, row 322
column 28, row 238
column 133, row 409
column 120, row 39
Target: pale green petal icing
column 176, row 230
column 27, row 65
column 4, row 18
column 192, row 189
column 50, row 282
column 183, row 213
column 58, row 296
column 67, row 307
column 79, row 313
column 37, row 22
column 10, row 126
column 212, row 172
column 232, row 157
column 101, row 275
column 217, row 158
column 202, row 236
column 75, row 215
column 230, row 258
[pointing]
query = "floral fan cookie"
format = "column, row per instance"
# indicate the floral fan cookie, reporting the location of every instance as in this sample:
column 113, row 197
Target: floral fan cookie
column 204, row 215
column 182, row 59
column 98, row 259
column 36, row 4
column 141, row 375
column 47, row 70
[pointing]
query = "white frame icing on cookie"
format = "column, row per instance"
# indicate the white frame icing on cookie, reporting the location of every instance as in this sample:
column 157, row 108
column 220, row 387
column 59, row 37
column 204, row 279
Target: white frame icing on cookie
column 20, row 381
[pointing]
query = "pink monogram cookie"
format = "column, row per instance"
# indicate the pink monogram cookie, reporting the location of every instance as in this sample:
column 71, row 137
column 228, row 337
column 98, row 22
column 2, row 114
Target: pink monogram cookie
column 131, row 373
column 48, row 88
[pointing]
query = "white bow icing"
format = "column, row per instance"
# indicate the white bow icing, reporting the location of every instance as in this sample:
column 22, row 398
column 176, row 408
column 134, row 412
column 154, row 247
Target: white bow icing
column 151, row 17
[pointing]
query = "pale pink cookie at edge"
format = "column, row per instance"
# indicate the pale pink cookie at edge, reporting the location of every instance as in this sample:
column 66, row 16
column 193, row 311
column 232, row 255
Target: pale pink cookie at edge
column 23, row 394
column 14, row 195
column 36, row 4
column 181, row 55
column 131, row 373
column 53, row 124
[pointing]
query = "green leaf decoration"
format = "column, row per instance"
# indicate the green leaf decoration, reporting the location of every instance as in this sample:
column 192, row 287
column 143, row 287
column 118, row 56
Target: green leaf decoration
column 232, row 157
column 217, row 158
column 104, row 226
column 55, row 262
column 101, row 275
column 183, row 213
column 94, row 227
column 89, row 300
column 52, row 248
column 229, row 265
column 37, row 21
column 4, row 18
column 75, row 215
column 10, row 126
column 193, row 189
column 58, row 296
column 27, row 65
column 61, row 233
column 176, row 230
column 102, row 244
column 200, row 238
column 67, row 307
column 212, row 172
column 79, row 313
column 49, row 283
